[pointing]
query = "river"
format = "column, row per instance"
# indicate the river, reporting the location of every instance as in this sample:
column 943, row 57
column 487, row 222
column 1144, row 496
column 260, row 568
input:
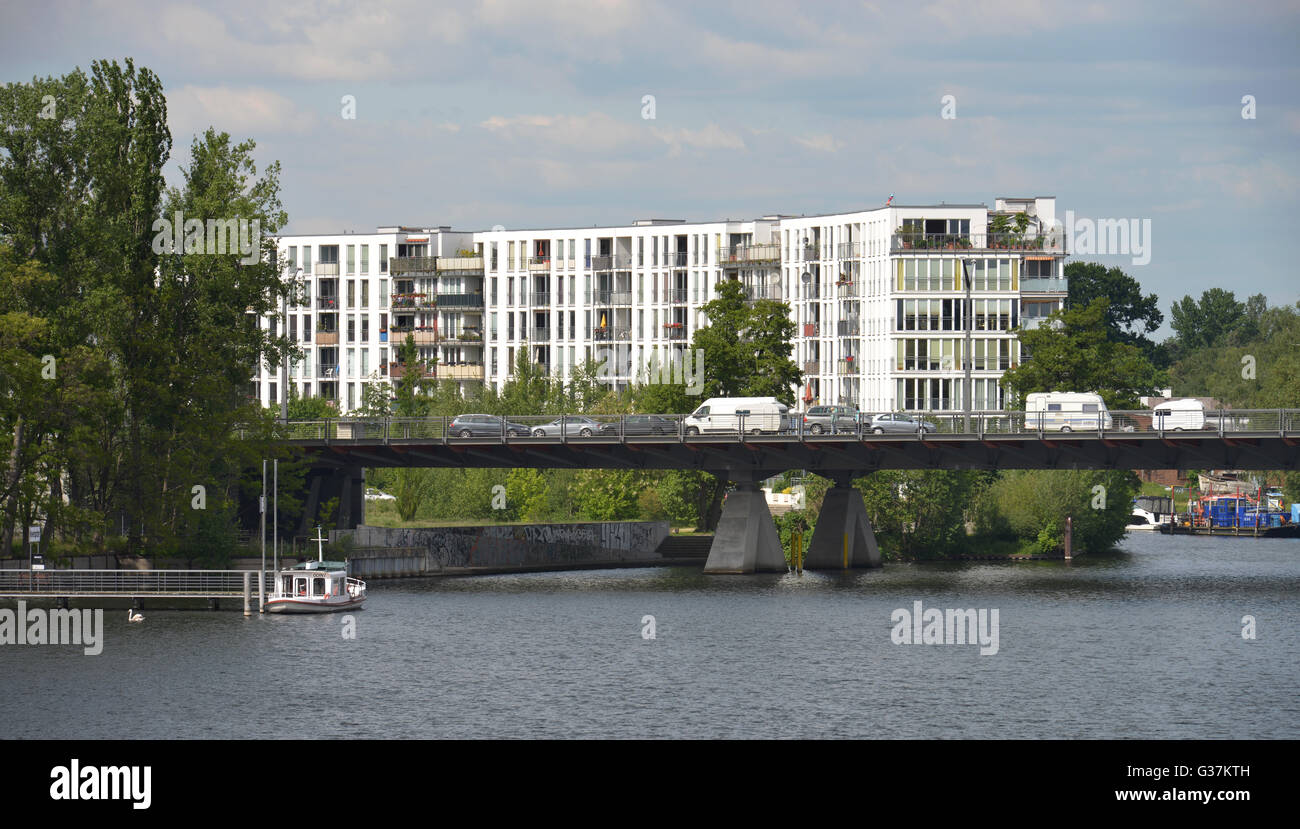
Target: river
column 1146, row 642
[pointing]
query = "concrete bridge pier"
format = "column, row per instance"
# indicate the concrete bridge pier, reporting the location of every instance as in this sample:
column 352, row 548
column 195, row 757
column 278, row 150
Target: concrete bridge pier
column 842, row 526
column 746, row 540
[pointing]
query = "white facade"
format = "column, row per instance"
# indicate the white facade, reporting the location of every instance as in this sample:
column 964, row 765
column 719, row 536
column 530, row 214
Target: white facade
column 878, row 297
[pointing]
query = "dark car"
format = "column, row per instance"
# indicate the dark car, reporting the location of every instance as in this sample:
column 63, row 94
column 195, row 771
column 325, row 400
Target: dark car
column 641, row 425
column 484, row 426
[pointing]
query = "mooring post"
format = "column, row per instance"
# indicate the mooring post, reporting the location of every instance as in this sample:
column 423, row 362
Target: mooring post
column 248, row 593
column 1069, row 532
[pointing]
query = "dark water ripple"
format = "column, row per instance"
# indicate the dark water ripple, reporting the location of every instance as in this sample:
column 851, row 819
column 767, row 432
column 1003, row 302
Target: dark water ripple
column 1143, row 643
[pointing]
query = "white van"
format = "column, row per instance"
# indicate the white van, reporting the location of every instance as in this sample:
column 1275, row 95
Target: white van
column 730, row 414
column 1066, row 411
column 1178, row 415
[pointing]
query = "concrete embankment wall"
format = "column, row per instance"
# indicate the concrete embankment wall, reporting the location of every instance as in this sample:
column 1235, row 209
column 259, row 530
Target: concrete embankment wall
column 380, row 552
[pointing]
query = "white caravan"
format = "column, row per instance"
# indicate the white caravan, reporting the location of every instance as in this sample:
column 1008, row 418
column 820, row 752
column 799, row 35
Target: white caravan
column 732, row 414
column 1066, row 411
column 1178, row 415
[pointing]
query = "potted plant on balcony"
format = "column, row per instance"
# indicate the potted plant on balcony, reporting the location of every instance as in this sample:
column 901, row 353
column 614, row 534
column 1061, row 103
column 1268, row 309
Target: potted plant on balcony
column 999, row 227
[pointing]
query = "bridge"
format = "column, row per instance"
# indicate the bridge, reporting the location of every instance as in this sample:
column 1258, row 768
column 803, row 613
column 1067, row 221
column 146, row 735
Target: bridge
column 746, row 540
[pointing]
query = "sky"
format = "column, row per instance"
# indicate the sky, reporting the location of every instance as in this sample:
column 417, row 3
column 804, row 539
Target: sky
column 535, row 114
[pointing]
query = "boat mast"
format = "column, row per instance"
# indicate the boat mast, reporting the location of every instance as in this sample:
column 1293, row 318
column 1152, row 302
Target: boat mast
column 320, row 542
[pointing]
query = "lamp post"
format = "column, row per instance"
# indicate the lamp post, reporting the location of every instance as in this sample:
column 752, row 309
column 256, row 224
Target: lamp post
column 966, row 354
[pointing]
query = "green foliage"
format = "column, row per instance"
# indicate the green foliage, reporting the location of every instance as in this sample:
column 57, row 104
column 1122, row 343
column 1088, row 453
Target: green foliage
column 607, row 494
column 920, row 513
column 1033, row 504
column 1077, row 356
column 1268, row 337
column 746, row 347
column 410, row 487
column 1206, row 322
column 1130, row 316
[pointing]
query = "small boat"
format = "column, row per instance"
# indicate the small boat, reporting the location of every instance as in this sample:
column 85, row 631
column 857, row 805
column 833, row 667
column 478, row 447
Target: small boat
column 316, row 587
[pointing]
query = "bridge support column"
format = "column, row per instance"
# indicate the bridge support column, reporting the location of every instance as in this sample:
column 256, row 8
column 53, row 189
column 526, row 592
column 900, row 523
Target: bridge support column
column 842, row 526
column 746, row 540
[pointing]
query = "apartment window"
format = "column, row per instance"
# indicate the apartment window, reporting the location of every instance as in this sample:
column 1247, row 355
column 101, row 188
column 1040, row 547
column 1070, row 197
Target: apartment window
column 365, row 362
column 510, row 256
column 306, row 258
column 383, row 258
column 293, row 257
column 329, row 254
column 352, row 362
column 352, row 293
column 306, row 328
column 351, row 394
column 365, row 260
column 293, row 328
column 573, row 325
column 352, row 259
column 640, row 252
column 494, row 256
column 365, row 293
column 352, row 328
column 272, row 393
column 510, row 326
column 492, row 291
column 383, row 293
column 365, row 329
column 510, row 290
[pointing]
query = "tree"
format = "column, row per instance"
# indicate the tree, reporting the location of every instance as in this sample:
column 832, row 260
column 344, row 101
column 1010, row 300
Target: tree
column 1130, row 316
column 1205, row 323
column 746, row 347
column 1076, row 355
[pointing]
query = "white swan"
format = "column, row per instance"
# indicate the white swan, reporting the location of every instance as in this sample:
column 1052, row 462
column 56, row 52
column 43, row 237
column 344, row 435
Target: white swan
column 134, row 616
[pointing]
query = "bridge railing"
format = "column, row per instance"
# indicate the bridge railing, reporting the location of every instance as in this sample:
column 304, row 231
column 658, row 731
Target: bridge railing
column 125, row 582
column 682, row 426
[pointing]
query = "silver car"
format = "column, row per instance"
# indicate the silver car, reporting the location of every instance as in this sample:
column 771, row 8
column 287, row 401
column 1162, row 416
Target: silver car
column 899, row 423
column 568, row 426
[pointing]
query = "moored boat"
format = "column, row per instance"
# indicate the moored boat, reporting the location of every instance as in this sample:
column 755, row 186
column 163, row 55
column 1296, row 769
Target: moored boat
column 316, row 587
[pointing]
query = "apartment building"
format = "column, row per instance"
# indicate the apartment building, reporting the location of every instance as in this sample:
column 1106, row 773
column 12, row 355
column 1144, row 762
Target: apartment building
column 890, row 305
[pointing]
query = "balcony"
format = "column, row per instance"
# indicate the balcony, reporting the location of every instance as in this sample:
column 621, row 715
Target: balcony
column 753, row 293
column 676, row 260
column 675, row 330
column 1044, row 284
column 749, row 255
column 848, row 365
column 459, row 264
column 327, row 303
column 460, row 300
column 539, row 334
column 465, row 335
column 327, row 269
column 811, row 253
column 847, row 290
column 848, row 250
column 611, row 334
column 811, row 367
column 398, row 370
column 676, row 296
column 413, row 264
column 327, row 337
column 539, row 263
column 619, row 262
column 540, row 298
column 328, row 371
column 400, row 301
column 812, row 329
column 460, row 371
column 609, row 297
column 907, row 240
column 848, row 328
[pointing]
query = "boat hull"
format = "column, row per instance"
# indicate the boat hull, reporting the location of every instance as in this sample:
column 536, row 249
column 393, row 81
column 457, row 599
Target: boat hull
column 288, row 605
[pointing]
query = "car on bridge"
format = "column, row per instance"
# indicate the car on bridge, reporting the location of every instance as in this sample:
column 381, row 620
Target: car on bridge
column 485, row 426
column 821, row 419
column 896, row 423
column 568, row 426
column 640, row 425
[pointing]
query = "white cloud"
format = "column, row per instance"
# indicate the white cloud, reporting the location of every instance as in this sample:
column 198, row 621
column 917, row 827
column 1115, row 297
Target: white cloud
column 242, row 112
column 824, row 143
